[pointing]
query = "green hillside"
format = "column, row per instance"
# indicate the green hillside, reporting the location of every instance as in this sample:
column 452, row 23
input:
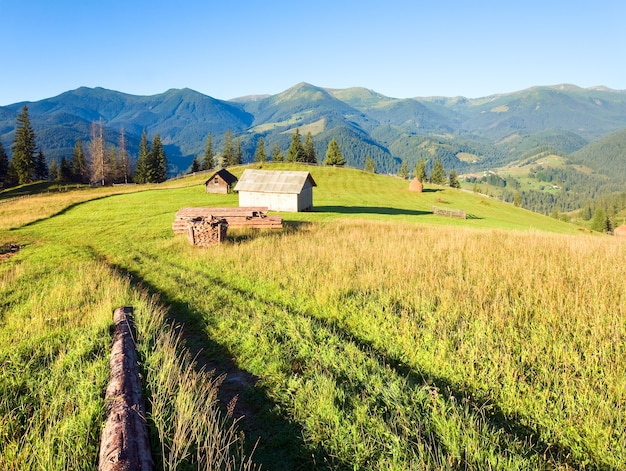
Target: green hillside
column 367, row 333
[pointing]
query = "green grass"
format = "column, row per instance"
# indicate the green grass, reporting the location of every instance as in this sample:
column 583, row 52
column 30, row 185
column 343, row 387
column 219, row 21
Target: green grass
column 381, row 336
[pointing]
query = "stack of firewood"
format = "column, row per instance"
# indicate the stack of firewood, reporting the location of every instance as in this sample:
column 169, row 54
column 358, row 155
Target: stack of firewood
column 207, row 231
column 252, row 217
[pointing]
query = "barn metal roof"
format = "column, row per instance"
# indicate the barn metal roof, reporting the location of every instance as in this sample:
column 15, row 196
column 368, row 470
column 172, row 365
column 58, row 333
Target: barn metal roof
column 274, row 181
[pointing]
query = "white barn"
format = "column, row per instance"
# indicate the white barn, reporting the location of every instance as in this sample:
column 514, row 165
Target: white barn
column 279, row 190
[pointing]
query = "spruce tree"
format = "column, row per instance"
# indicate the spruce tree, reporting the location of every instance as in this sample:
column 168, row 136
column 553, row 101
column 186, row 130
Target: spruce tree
column 228, row 154
column 295, row 153
column 404, row 171
column 41, row 167
column 80, row 168
column 259, row 153
column 53, row 168
column 333, row 154
column 141, row 170
column 598, row 223
column 208, row 162
column 438, row 174
column 195, row 166
column 370, row 165
column 114, row 172
column 239, row 154
column 309, row 149
column 24, row 148
column 157, row 162
column 64, row 171
column 420, row 171
column 453, row 180
column 4, row 165
column 277, row 153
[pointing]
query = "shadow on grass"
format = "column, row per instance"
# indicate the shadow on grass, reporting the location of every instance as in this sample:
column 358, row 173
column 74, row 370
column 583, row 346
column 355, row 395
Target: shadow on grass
column 62, row 211
column 273, row 441
column 369, row 210
column 552, row 453
column 243, row 234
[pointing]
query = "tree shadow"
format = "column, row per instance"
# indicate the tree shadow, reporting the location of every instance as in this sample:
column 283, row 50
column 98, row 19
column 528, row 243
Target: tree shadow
column 273, row 441
column 491, row 413
column 243, row 234
column 369, row 210
column 65, row 210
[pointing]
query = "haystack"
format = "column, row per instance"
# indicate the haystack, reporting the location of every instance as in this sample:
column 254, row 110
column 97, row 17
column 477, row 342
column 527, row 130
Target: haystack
column 416, row 186
column 620, row 231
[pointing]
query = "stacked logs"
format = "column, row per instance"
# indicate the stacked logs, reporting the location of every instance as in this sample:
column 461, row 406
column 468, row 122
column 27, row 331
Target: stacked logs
column 206, row 231
column 251, row 217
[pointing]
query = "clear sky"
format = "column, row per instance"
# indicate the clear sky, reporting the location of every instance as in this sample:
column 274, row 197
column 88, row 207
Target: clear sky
column 231, row 48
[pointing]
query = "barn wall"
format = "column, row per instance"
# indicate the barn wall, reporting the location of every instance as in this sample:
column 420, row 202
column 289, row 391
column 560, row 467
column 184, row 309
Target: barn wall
column 273, row 201
column 305, row 199
column 217, row 185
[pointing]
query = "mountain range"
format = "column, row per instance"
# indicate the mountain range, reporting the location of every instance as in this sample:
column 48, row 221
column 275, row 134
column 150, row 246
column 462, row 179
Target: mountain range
column 464, row 134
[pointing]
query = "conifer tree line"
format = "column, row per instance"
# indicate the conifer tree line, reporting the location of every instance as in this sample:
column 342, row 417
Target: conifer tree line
column 297, row 152
column 92, row 162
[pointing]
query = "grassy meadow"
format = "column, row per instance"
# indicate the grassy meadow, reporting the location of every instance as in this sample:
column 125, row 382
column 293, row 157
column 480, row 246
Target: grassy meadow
column 371, row 334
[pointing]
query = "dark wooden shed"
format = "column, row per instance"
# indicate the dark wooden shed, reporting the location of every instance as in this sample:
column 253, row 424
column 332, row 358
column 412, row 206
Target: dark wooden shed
column 221, row 181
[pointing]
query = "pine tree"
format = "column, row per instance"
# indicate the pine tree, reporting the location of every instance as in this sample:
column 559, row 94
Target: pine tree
column 228, row 154
column 208, row 163
column 309, row 149
column 370, row 165
column 333, row 154
column 277, row 153
column 41, row 167
column 453, row 180
column 420, row 171
column 141, row 170
column 4, row 166
column 295, row 153
column 404, row 171
column 24, row 147
column 438, row 175
column 259, row 153
column 80, row 168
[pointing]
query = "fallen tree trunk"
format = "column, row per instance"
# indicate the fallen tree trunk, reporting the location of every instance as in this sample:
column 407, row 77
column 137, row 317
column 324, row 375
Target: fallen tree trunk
column 124, row 443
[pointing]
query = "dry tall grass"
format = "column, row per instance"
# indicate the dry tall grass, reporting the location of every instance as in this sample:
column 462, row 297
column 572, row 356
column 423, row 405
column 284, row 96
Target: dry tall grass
column 534, row 323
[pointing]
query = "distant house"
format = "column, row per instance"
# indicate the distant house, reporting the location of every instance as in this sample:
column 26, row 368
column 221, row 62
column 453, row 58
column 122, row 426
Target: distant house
column 220, row 182
column 278, row 190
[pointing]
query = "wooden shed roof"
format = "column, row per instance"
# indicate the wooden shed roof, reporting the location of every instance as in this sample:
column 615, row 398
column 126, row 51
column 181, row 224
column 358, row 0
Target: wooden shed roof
column 274, row 181
column 225, row 175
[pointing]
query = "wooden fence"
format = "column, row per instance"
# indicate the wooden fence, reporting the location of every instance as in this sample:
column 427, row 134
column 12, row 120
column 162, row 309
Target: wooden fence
column 451, row 213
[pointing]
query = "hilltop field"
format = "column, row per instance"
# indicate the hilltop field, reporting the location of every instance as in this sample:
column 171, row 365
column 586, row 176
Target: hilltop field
column 366, row 334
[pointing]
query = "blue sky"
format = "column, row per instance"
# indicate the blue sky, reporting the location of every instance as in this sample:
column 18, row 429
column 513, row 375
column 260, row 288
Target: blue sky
column 231, row 48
